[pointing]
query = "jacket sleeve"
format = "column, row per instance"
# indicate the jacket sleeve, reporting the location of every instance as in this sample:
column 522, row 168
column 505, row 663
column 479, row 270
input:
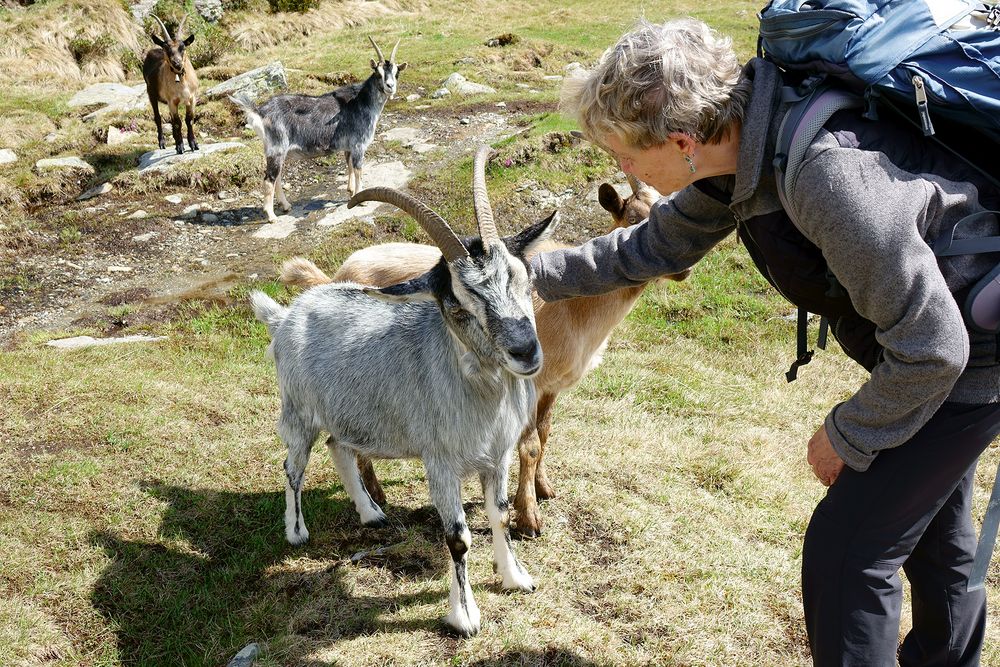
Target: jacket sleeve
column 866, row 216
column 680, row 230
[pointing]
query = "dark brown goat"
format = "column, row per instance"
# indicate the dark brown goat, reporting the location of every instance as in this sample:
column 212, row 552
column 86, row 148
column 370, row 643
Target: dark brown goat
column 170, row 79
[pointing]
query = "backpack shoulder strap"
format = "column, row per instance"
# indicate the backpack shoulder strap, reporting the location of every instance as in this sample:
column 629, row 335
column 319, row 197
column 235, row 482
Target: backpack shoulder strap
column 802, row 122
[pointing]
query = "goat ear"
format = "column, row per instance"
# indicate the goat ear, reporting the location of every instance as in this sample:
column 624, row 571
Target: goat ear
column 610, row 200
column 188, row 40
column 374, row 64
column 526, row 242
column 159, row 42
column 415, row 289
column 400, row 68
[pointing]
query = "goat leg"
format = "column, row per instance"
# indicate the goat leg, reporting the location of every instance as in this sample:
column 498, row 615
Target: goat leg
column 446, row 494
column 299, row 442
column 543, row 419
column 175, row 126
column 189, row 121
column 529, row 518
column 370, row 480
column 494, row 483
column 154, row 100
column 371, row 514
column 272, row 170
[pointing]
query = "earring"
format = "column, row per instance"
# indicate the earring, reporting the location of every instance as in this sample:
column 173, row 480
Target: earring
column 687, row 158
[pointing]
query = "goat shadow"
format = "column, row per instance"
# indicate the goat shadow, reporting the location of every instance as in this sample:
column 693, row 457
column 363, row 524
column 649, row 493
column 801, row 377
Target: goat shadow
column 220, row 575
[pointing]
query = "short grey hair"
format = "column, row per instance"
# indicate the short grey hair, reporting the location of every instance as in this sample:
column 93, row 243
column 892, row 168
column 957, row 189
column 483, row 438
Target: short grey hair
column 679, row 76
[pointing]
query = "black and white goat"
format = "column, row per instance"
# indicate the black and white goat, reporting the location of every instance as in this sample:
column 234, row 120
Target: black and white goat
column 294, row 126
column 170, row 79
column 438, row 368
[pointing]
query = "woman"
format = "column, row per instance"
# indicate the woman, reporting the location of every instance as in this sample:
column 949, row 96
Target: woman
column 673, row 105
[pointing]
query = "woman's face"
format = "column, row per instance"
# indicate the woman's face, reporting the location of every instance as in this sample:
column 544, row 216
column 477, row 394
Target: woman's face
column 662, row 166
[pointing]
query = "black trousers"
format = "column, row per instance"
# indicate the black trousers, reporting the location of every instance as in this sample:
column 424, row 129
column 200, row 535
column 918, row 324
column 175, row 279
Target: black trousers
column 910, row 509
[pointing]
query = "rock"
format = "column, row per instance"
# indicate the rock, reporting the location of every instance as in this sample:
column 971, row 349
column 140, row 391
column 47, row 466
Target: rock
column 552, row 77
column 119, row 269
column 464, row 121
column 175, row 199
column 141, row 10
column 439, row 93
column 7, row 156
column 116, row 136
column 88, row 341
column 112, row 97
column 502, row 105
column 412, row 98
column 167, row 157
column 459, row 85
column 138, row 215
column 190, row 212
column 408, row 136
column 63, row 163
column 574, row 67
column 143, row 238
column 279, row 229
column 423, row 148
column 96, row 191
column 209, row 217
column 210, row 10
column 252, row 83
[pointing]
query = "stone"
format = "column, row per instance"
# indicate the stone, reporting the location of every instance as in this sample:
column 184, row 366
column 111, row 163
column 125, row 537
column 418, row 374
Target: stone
column 165, row 158
column 119, row 269
column 210, row 10
column 279, row 229
column 463, row 121
column 7, row 156
column 143, row 238
column 459, row 85
column 175, row 199
column 408, row 136
column 111, row 97
column 78, row 342
column 439, row 93
column 209, row 217
column 252, row 83
column 96, row 191
column 552, row 77
column 412, row 98
column 138, row 215
column 117, row 136
column 63, row 163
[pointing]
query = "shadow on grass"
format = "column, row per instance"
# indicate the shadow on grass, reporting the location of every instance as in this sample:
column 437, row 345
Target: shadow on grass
column 221, row 576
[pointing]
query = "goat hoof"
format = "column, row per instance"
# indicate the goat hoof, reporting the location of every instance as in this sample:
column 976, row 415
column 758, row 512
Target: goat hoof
column 526, row 532
column 296, row 538
column 544, row 490
column 381, row 522
column 462, row 625
column 180, row 150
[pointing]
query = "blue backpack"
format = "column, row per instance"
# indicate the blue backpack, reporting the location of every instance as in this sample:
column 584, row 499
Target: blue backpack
column 934, row 63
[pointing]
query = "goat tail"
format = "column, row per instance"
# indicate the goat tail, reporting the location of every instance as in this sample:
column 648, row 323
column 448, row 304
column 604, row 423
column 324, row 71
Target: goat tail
column 254, row 120
column 301, row 272
column 267, row 310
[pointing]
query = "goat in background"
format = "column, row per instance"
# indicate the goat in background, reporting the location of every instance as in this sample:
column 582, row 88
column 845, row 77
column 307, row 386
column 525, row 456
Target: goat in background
column 171, row 79
column 296, row 126
column 573, row 334
column 436, row 368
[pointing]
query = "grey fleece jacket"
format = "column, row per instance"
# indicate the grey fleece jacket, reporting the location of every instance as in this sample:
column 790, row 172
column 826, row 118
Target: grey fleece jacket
column 872, row 219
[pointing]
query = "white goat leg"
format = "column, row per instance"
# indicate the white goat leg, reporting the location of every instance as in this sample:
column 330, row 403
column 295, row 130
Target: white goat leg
column 446, row 495
column 371, row 514
column 514, row 576
column 295, row 471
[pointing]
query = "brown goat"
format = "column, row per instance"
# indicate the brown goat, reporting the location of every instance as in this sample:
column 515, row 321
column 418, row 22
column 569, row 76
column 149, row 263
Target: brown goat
column 170, row 79
column 573, row 334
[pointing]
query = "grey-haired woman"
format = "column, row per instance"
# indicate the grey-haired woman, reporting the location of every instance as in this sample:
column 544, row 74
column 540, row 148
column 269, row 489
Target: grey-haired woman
column 674, row 106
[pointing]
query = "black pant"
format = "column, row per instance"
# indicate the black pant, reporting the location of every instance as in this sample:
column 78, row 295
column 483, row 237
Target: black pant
column 910, row 509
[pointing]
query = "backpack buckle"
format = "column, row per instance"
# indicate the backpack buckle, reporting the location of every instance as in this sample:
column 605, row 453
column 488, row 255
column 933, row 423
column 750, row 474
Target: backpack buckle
column 993, row 17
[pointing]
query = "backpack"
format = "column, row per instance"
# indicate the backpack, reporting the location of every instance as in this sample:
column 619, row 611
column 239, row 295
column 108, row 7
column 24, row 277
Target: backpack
column 933, row 63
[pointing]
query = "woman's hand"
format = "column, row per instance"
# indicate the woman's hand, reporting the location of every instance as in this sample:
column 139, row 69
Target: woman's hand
column 826, row 463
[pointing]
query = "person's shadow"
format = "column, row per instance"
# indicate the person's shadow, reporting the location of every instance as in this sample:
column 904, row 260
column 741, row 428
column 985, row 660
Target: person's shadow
column 220, row 577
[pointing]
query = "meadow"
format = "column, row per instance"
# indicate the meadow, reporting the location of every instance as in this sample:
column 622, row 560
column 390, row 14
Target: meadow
column 142, row 496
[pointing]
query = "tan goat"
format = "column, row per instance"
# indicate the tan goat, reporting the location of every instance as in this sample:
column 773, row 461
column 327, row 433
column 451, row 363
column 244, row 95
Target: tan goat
column 170, row 79
column 573, row 334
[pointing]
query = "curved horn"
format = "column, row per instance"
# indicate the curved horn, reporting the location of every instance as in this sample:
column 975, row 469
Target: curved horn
column 180, row 28
column 392, row 56
column 480, row 198
column 165, row 31
column 435, row 226
column 377, row 50
column 635, row 183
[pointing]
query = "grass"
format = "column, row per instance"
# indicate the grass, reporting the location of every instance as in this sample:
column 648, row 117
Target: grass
column 141, row 518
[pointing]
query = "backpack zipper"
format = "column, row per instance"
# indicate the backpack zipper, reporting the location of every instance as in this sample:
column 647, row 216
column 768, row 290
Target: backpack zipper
column 922, row 109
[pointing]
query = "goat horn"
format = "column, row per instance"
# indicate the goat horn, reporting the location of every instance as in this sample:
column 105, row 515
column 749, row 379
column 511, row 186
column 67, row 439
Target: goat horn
column 635, row 183
column 435, row 226
column 180, row 28
column 165, row 31
column 481, row 199
column 392, row 56
column 377, row 50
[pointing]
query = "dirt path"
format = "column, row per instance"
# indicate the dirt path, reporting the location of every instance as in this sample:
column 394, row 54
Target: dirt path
column 125, row 271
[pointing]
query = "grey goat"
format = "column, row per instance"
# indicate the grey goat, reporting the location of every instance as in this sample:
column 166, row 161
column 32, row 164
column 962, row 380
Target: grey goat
column 294, row 126
column 438, row 368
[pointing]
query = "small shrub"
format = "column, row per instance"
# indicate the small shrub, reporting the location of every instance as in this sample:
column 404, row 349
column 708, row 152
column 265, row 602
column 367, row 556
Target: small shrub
column 84, row 49
column 300, row 6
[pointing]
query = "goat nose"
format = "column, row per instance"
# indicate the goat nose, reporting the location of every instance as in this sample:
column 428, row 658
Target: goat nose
column 526, row 353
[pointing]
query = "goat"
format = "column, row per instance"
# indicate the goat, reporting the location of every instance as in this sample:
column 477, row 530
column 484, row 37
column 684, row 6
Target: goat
column 171, row 79
column 573, row 334
column 295, row 126
column 438, row 368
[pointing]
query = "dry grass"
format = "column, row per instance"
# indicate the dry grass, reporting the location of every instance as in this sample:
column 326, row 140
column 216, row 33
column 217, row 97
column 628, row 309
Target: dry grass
column 35, row 45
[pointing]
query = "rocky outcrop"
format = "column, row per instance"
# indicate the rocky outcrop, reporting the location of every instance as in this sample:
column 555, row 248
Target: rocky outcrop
column 253, row 83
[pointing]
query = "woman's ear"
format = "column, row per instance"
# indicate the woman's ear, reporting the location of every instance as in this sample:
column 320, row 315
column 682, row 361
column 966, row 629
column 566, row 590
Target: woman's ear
column 685, row 142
